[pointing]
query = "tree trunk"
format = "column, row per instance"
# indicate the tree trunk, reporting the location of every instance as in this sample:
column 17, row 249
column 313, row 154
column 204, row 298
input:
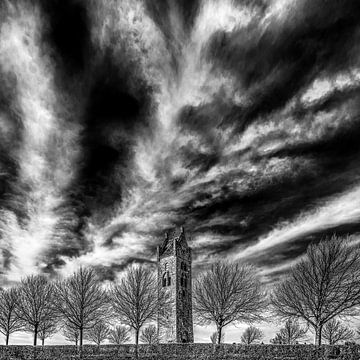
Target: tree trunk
column 35, row 334
column 42, row 341
column 81, row 342
column 318, row 333
column 219, row 333
column 81, row 337
column 7, row 339
column 137, row 331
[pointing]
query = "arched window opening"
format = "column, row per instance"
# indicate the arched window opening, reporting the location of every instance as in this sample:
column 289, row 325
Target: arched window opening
column 166, row 279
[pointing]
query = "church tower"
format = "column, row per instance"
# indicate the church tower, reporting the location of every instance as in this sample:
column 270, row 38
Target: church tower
column 174, row 276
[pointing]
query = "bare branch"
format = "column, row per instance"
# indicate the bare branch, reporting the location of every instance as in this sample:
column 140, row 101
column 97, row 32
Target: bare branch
column 334, row 332
column 98, row 333
column 135, row 299
column 47, row 329
column 290, row 334
column 81, row 301
column 119, row 335
column 71, row 333
column 251, row 335
column 149, row 335
column 36, row 303
column 228, row 293
column 9, row 321
column 322, row 286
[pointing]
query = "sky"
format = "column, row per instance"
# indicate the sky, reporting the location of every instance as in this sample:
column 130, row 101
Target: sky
column 121, row 119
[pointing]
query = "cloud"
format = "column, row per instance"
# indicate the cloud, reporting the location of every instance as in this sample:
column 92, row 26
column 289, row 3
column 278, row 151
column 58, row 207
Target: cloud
column 46, row 157
column 121, row 120
column 330, row 215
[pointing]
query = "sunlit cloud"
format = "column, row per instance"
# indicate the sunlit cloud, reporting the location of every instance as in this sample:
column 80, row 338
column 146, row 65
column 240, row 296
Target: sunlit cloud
column 154, row 117
column 47, row 155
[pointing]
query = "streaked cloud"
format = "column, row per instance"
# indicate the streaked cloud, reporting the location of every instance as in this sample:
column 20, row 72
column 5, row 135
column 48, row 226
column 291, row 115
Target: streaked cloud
column 123, row 119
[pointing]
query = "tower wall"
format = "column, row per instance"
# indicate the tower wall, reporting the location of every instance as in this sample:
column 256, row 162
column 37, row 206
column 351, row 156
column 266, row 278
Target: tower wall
column 174, row 262
column 167, row 326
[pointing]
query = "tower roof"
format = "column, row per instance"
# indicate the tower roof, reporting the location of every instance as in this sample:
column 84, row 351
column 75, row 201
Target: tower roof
column 176, row 235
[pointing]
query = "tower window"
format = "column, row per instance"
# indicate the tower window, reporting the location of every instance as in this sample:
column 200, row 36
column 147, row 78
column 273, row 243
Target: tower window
column 166, row 279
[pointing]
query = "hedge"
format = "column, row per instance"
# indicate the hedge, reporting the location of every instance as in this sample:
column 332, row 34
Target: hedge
column 195, row 351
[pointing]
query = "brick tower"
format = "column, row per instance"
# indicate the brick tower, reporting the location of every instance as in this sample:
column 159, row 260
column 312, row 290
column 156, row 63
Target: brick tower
column 174, row 276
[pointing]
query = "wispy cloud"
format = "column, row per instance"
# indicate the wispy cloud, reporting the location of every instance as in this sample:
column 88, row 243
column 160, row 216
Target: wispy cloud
column 242, row 126
column 46, row 157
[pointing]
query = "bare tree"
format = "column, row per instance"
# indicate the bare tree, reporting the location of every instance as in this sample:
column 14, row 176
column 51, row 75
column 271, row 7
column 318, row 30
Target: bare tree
column 9, row 321
column 291, row 332
column 277, row 340
column 323, row 285
column 214, row 337
column 135, row 298
column 228, row 293
column 251, row 334
column 119, row 335
column 71, row 333
column 36, row 303
column 47, row 329
column 334, row 331
column 81, row 301
column 98, row 333
column 149, row 335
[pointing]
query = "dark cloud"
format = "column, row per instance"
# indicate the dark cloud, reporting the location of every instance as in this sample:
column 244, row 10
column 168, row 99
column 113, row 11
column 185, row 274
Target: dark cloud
column 274, row 62
column 137, row 142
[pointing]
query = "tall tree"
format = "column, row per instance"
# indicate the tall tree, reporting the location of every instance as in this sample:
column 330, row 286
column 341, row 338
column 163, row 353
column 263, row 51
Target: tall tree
column 334, row 331
column 81, row 301
column 251, row 335
column 36, row 303
column 47, row 329
column 228, row 293
column 291, row 332
column 214, row 337
column 119, row 335
column 98, row 333
column 149, row 335
column 135, row 299
column 9, row 321
column 322, row 286
column 71, row 333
